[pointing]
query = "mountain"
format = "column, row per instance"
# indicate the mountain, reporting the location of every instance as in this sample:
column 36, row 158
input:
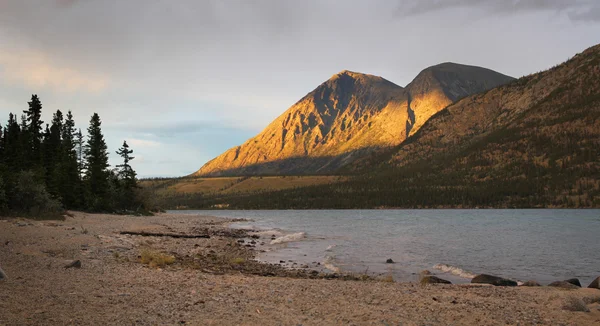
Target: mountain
column 534, row 142
column 347, row 117
column 439, row 86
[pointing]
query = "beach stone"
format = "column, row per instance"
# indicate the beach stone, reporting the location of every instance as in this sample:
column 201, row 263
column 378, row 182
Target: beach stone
column 430, row 279
column 574, row 281
column 595, row 283
column 493, row 280
column 74, row 264
column 389, row 261
column 563, row 285
column 531, row 283
column 2, row 275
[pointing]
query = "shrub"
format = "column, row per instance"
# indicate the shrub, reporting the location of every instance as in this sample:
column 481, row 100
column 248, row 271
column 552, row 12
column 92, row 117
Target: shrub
column 156, row 259
column 32, row 199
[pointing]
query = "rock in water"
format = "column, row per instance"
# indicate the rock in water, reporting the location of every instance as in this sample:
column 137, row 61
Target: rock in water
column 595, row 284
column 2, row 275
column 494, row 280
column 389, row 261
column 531, row 283
column 563, row 285
column 430, row 279
column 74, row 264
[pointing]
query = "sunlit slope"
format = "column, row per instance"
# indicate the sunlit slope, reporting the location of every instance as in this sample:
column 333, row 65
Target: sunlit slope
column 347, row 117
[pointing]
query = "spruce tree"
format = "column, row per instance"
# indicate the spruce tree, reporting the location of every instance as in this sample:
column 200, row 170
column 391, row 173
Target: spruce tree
column 34, row 125
column 126, row 173
column 25, row 152
column 70, row 182
column 79, row 148
column 96, row 157
column 12, row 146
column 1, row 144
column 53, row 154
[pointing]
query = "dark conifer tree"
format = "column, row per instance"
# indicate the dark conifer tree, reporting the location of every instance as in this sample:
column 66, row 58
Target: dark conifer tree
column 96, row 157
column 25, row 145
column 70, row 183
column 12, row 145
column 1, row 144
column 34, row 125
column 79, row 148
column 53, row 154
column 126, row 173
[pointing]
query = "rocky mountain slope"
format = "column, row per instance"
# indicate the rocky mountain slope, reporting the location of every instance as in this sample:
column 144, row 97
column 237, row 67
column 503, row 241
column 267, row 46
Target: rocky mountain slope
column 347, row 117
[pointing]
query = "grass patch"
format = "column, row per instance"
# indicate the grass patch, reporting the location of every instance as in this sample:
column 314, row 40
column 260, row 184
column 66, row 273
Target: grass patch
column 155, row 258
column 238, row 261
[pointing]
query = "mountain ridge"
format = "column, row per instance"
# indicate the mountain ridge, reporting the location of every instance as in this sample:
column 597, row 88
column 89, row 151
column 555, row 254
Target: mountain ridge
column 347, row 117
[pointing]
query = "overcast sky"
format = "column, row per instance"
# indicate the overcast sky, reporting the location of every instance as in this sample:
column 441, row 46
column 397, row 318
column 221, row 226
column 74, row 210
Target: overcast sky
column 182, row 81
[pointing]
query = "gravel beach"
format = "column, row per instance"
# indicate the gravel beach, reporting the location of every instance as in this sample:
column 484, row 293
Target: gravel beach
column 207, row 276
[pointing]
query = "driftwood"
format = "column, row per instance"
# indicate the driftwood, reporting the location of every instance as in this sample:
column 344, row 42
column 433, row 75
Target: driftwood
column 171, row 235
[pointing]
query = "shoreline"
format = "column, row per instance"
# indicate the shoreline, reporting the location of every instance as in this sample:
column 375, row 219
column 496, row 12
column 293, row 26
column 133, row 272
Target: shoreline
column 215, row 281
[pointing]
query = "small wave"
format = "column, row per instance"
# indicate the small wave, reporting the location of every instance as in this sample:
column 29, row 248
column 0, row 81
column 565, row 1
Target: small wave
column 329, row 264
column 330, row 247
column 454, row 270
column 289, row 238
column 269, row 233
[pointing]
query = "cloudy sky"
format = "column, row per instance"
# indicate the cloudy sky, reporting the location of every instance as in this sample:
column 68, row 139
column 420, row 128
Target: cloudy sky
column 184, row 80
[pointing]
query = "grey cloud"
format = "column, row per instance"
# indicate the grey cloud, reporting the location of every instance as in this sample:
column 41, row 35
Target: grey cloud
column 593, row 14
column 419, row 7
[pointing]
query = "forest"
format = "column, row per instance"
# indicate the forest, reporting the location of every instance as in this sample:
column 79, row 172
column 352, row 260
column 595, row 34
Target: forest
column 47, row 169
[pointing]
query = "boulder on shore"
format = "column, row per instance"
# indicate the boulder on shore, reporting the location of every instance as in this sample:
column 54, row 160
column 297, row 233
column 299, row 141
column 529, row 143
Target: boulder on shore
column 430, row 279
column 563, row 285
column 574, row 281
column 389, row 261
column 493, row 280
column 531, row 283
column 595, row 284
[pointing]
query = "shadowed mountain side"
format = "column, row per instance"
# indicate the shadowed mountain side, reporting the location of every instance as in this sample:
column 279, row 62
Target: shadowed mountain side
column 318, row 165
column 350, row 113
column 439, row 86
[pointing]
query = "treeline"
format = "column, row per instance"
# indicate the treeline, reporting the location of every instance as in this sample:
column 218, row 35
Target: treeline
column 46, row 169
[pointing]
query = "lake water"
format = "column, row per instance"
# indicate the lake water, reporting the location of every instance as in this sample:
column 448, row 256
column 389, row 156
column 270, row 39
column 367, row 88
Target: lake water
column 544, row 245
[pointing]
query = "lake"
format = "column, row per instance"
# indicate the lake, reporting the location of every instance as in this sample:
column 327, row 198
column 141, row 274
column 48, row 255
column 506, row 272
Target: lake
column 537, row 244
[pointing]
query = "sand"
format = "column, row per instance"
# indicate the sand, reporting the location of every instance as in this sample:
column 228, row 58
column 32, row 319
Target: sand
column 215, row 282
